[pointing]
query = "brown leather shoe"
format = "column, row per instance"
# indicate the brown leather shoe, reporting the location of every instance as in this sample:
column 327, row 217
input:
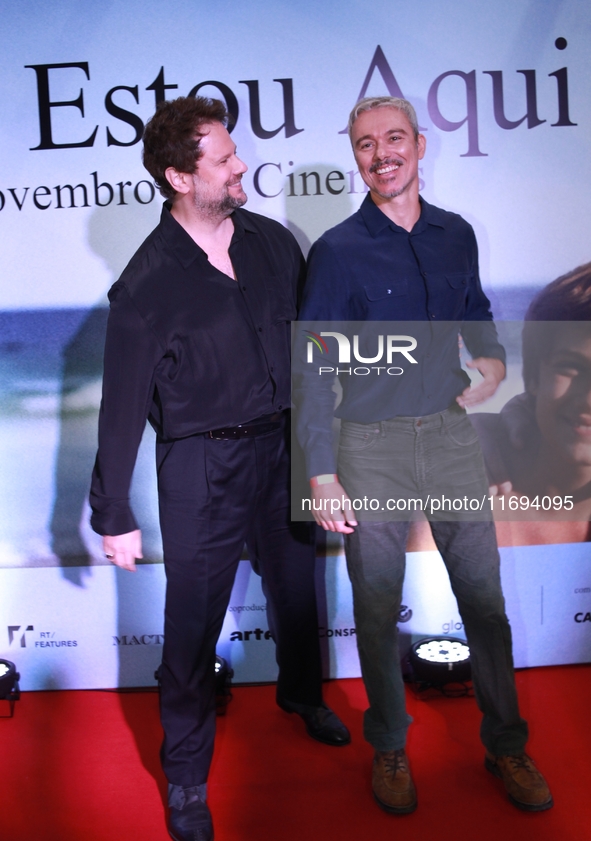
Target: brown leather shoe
column 392, row 783
column 526, row 787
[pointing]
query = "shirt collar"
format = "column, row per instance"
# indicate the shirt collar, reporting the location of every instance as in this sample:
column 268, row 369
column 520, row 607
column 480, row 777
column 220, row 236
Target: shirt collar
column 184, row 247
column 376, row 221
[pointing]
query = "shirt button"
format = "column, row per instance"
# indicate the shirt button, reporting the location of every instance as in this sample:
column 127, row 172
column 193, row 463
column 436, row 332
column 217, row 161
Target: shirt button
column 280, row 407
column 244, row 288
column 432, row 315
column 389, row 291
column 260, row 329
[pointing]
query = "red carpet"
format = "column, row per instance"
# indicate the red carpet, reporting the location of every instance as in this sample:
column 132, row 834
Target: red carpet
column 83, row 766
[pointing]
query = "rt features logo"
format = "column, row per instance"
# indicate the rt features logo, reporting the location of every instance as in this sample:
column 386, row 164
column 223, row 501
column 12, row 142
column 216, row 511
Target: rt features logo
column 43, row 639
column 13, row 634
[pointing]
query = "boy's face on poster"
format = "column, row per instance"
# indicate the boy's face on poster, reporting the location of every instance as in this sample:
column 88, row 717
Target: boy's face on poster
column 563, row 394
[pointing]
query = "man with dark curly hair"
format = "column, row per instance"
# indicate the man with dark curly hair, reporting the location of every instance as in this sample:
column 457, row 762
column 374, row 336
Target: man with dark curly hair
column 198, row 342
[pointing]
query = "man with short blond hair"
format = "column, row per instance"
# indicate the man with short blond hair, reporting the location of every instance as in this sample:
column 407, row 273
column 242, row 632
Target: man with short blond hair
column 396, row 259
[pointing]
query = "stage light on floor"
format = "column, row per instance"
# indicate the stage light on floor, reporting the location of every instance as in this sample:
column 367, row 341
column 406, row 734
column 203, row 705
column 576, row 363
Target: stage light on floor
column 437, row 661
column 9, row 688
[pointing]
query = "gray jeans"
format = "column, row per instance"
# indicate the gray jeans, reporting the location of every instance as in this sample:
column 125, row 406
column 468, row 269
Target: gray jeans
column 435, row 454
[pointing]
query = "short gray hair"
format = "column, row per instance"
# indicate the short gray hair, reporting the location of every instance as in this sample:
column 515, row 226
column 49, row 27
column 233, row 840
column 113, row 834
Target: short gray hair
column 371, row 102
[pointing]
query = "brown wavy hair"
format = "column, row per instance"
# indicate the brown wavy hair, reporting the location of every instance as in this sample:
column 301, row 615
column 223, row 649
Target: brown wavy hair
column 172, row 136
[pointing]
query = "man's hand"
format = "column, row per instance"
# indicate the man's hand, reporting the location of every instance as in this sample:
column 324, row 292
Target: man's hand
column 501, row 489
column 493, row 372
column 332, row 508
column 123, row 549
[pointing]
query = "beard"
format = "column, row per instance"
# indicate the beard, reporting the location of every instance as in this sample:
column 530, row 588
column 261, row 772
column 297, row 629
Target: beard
column 220, row 206
column 392, row 194
column 389, row 194
column 230, row 203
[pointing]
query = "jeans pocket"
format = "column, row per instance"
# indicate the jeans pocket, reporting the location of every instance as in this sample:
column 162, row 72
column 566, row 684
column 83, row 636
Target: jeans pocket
column 357, row 438
column 461, row 432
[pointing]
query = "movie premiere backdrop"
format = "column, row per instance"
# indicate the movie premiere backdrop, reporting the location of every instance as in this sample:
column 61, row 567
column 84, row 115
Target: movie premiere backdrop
column 503, row 95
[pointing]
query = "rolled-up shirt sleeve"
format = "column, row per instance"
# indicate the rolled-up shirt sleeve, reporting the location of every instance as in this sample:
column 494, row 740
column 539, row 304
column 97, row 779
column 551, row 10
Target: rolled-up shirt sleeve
column 324, row 300
column 478, row 330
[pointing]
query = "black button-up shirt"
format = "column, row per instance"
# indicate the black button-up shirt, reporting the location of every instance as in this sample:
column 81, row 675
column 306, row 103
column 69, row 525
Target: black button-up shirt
column 191, row 349
column 368, row 269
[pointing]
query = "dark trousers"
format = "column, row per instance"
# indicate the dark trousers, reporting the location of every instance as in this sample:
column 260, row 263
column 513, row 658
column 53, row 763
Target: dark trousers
column 214, row 497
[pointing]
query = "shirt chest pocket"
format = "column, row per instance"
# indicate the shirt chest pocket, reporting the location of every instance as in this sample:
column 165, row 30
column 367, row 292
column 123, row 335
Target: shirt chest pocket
column 379, row 292
column 458, row 280
column 447, row 294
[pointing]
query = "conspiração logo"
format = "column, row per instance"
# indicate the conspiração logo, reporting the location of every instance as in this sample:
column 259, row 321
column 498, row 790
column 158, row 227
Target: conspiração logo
column 386, row 347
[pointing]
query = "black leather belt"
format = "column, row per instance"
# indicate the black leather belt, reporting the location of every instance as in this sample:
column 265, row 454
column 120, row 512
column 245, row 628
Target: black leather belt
column 260, row 426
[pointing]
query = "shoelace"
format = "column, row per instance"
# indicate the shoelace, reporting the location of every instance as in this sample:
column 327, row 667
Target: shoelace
column 522, row 761
column 395, row 761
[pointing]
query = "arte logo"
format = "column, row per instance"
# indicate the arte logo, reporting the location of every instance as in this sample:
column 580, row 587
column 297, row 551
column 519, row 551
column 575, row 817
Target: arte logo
column 391, row 344
column 244, row 636
column 13, row 634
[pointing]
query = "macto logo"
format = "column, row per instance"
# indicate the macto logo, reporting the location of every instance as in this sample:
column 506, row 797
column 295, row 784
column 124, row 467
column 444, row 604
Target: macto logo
column 392, row 344
column 13, row 634
column 140, row 639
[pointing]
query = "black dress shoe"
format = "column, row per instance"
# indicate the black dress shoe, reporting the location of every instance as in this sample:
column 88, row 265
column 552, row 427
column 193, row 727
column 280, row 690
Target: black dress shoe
column 189, row 817
column 321, row 723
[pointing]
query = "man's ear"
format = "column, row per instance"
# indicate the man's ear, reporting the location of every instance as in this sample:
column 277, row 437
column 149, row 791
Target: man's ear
column 421, row 145
column 179, row 181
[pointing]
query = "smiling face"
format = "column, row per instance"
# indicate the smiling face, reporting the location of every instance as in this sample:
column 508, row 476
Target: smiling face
column 563, row 396
column 387, row 153
column 217, row 181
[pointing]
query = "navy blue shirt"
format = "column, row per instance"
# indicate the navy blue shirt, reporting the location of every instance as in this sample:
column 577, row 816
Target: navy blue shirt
column 368, row 269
